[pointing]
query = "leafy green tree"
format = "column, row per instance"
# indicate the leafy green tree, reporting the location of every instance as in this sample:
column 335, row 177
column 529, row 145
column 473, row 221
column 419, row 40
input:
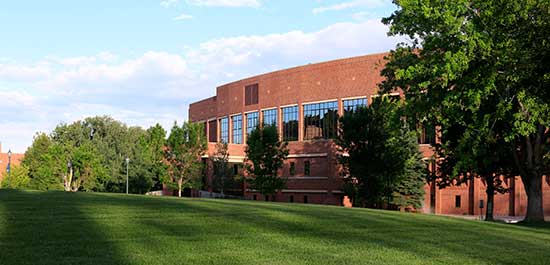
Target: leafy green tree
column 34, row 155
column 17, row 179
column 52, row 171
column 185, row 147
column 382, row 164
column 156, row 140
column 266, row 154
column 465, row 55
column 220, row 163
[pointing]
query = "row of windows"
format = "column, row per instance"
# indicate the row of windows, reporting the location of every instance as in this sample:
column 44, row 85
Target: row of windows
column 320, row 121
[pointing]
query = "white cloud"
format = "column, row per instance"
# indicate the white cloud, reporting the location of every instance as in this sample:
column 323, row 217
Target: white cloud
column 227, row 3
column 169, row 3
column 158, row 86
column 349, row 4
column 183, row 17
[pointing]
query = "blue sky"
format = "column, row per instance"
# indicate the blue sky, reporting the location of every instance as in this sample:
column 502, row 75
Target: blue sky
column 144, row 61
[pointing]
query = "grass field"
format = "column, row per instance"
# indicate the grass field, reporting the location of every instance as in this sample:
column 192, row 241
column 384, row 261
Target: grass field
column 85, row 228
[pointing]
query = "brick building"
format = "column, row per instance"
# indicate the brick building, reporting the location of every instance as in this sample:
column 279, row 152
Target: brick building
column 304, row 103
column 15, row 160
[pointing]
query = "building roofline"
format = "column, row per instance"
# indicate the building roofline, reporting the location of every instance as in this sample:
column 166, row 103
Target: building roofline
column 305, row 67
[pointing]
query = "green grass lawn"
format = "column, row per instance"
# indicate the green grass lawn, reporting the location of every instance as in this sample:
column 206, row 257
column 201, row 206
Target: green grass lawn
column 86, row 228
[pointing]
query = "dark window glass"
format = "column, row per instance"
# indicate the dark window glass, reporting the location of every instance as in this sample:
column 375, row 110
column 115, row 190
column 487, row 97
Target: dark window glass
column 224, row 130
column 292, row 168
column 235, row 169
column 307, row 168
column 290, row 123
column 252, row 121
column 255, row 197
column 427, row 134
column 291, row 198
column 457, row 201
column 270, row 117
column 354, row 104
column 251, row 94
column 305, row 199
column 237, row 129
column 212, row 131
column 321, row 120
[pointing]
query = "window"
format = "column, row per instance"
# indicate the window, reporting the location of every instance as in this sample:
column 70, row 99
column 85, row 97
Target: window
column 292, row 170
column 457, row 201
column 321, row 120
column 427, row 134
column 235, row 169
column 255, row 197
column 307, row 168
column 354, row 104
column 270, row 117
column 305, row 199
column 237, row 129
column 224, row 130
column 212, row 131
column 290, row 123
column 291, row 198
column 251, row 94
column 252, row 121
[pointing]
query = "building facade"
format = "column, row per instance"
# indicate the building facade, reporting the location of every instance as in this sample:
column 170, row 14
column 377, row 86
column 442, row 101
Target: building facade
column 4, row 159
column 304, row 103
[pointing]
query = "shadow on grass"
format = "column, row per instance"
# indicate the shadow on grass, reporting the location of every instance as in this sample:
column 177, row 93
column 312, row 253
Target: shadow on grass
column 63, row 228
column 50, row 228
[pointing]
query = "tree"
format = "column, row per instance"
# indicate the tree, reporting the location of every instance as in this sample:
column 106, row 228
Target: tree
column 464, row 55
column 17, row 179
column 185, row 147
column 266, row 154
column 156, row 139
column 220, row 163
column 382, row 165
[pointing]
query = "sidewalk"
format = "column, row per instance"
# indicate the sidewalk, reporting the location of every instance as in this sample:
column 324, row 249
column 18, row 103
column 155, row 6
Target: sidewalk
column 505, row 219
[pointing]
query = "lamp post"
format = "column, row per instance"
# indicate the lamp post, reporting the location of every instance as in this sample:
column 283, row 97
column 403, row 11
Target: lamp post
column 8, row 169
column 127, row 162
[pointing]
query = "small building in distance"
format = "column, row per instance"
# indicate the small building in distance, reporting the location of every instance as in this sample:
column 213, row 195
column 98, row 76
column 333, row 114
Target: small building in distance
column 15, row 161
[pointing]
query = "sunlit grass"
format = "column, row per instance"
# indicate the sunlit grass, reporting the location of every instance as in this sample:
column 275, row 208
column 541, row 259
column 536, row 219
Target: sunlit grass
column 84, row 228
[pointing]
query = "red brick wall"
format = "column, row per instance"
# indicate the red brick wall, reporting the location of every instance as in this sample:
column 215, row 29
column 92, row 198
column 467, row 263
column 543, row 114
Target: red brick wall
column 334, row 80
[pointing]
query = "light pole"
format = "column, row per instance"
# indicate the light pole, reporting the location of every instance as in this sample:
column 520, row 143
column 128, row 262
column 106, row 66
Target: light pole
column 8, row 169
column 127, row 162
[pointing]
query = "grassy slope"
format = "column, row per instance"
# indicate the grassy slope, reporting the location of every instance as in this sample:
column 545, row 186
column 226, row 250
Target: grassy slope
column 66, row 228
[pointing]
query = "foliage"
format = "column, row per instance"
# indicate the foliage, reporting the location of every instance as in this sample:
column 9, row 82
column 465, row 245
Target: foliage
column 465, row 55
column 266, row 154
column 382, row 164
column 97, row 148
column 17, row 179
column 220, row 164
column 184, row 149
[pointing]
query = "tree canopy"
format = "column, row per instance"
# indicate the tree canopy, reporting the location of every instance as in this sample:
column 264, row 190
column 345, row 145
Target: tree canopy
column 463, row 56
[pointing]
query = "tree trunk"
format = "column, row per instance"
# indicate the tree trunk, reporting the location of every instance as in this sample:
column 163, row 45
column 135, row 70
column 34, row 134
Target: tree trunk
column 180, row 184
column 490, row 198
column 533, row 189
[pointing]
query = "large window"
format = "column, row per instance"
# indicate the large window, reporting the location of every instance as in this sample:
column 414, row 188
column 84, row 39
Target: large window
column 212, row 131
column 290, row 123
column 270, row 117
column 321, row 120
column 252, row 121
column 251, row 94
column 354, row 104
column 224, row 130
column 427, row 133
column 237, row 122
